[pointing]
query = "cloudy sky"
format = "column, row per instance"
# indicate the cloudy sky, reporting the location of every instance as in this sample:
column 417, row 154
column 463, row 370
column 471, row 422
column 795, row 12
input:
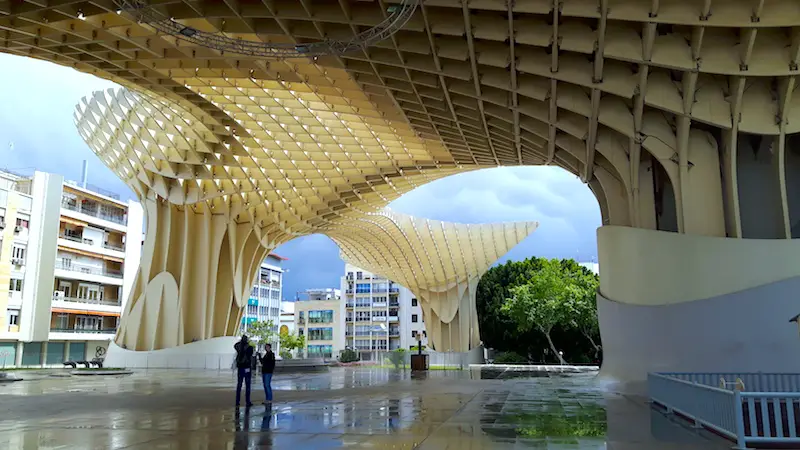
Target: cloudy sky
column 36, row 110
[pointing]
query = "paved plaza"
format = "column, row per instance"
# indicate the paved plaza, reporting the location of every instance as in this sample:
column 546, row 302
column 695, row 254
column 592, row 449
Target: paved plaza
column 343, row 408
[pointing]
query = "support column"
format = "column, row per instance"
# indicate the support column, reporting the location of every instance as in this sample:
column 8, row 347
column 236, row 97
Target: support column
column 676, row 302
column 18, row 355
column 195, row 276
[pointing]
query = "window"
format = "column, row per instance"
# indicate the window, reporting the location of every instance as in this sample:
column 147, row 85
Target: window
column 359, row 275
column 302, row 317
column 413, row 334
column 15, row 285
column 325, row 351
column 23, row 223
column 13, row 317
column 18, row 255
column 299, row 331
column 88, row 323
column 414, row 318
column 413, row 302
column 362, row 288
column 275, row 294
column 320, row 334
column 262, row 310
column 320, row 316
column 62, row 321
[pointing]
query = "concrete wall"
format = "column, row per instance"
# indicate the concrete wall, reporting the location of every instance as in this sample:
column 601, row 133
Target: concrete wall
column 743, row 331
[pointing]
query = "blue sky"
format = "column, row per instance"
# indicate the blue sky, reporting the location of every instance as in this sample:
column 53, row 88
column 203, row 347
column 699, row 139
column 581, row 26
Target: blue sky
column 36, row 107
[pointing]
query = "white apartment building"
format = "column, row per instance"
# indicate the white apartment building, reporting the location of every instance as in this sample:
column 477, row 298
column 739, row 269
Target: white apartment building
column 380, row 315
column 264, row 303
column 69, row 254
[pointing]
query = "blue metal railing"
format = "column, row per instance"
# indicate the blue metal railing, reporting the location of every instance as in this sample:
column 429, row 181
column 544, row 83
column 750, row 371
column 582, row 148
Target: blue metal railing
column 763, row 413
column 753, row 381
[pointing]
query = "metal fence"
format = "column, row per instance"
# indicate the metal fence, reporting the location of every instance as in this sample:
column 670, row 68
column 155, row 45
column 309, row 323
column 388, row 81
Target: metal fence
column 753, row 382
column 402, row 360
column 738, row 410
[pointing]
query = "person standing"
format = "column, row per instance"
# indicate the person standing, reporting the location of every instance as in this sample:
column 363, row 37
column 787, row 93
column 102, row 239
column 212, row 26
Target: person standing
column 244, row 368
column 267, row 368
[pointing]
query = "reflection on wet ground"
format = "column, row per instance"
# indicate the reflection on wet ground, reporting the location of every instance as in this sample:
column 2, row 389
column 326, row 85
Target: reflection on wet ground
column 343, row 408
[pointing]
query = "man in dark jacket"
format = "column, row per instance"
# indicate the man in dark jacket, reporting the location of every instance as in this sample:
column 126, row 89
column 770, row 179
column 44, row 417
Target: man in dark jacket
column 267, row 368
column 244, row 367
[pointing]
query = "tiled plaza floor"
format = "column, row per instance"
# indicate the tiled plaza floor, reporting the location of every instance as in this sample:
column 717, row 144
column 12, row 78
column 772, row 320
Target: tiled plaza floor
column 343, row 408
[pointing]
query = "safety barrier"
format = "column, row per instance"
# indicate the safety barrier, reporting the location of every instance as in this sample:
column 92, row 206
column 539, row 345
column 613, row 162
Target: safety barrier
column 751, row 408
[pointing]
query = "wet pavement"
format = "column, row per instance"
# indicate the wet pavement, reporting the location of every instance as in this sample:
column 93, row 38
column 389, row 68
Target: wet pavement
column 344, row 408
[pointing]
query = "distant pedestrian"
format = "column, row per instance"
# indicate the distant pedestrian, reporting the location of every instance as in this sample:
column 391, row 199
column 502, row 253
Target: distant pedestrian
column 244, row 367
column 267, row 368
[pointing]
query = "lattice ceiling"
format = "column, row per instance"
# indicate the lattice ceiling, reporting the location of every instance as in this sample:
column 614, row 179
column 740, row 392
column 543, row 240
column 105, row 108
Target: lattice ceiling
column 583, row 84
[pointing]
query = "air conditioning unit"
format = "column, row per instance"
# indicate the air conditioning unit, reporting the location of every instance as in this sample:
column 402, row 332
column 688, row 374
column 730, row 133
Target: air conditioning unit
column 58, row 295
column 17, row 229
column 17, row 261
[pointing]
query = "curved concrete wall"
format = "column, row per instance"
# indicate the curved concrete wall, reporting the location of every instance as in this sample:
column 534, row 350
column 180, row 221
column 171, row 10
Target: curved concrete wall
column 741, row 331
column 648, row 267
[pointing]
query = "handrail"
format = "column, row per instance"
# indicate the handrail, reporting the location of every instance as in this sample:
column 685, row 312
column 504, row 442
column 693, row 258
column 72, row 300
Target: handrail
column 143, row 12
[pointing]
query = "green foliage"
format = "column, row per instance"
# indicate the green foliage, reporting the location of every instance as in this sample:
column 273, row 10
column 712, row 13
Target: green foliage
column 510, row 358
column 291, row 342
column 415, row 348
column 348, row 356
column 262, row 331
column 397, row 357
column 285, row 354
column 526, row 306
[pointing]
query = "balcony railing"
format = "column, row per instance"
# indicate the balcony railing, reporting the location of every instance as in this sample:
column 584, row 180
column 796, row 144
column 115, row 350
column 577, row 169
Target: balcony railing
column 394, row 304
column 95, row 212
column 83, row 268
column 110, row 246
column 57, row 297
column 92, row 331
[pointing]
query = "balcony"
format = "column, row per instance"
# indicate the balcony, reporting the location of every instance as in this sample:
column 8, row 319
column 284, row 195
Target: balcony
column 58, row 296
column 68, row 265
column 115, row 247
column 363, row 319
column 379, row 319
column 394, row 290
column 94, row 212
column 393, row 319
column 77, row 331
column 349, row 304
column 379, row 305
column 394, row 304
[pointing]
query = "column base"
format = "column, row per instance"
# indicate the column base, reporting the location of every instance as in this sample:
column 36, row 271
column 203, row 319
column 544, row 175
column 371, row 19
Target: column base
column 215, row 354
column 681, row 303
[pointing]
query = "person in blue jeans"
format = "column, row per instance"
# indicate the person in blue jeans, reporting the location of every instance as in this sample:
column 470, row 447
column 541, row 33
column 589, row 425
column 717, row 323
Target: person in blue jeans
column 267, row 368
column 245, row 362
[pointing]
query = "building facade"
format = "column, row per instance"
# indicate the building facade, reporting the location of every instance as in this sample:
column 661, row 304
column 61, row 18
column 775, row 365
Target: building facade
column 319, row 319
column 264, row 303
column 69, row 254
column 380, row 315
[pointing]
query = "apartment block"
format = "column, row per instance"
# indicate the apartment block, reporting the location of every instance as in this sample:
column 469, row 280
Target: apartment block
column 380, row 315
column 264, row 303
column 69, row 254
column 319, row 319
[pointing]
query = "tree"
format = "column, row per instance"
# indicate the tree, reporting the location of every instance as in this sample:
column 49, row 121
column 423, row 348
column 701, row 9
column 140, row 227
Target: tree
column 262, row 331
column 584, row 315
column 498, row 330
column 291, row 342
column 540, row 304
